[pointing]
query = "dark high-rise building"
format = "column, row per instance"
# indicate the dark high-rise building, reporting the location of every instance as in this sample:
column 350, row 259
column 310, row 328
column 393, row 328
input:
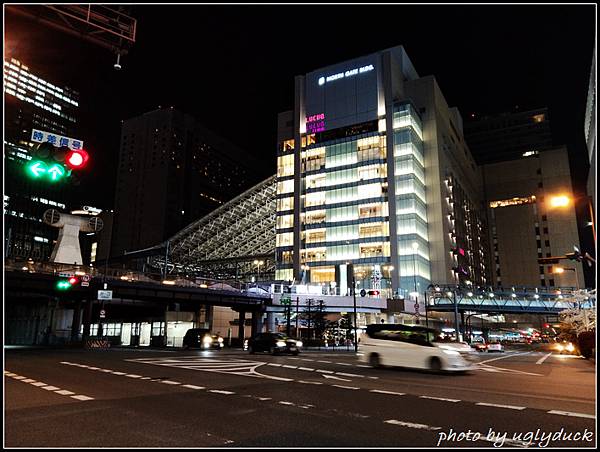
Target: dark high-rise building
column 32, row 103
column 171, row 171
column 508, row 136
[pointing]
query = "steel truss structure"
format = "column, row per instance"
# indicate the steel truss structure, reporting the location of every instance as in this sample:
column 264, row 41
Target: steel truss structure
column 105, row 26
column 521, row 300
column 235, row 241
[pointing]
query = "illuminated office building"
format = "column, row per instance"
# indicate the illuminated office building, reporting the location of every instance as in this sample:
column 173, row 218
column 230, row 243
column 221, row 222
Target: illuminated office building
column 31, row 102
column 373, row 171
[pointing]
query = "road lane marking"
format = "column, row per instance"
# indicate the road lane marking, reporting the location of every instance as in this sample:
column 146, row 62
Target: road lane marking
column 119, row 373
column 504, row 357
column 64, row 392
column 439, row 398
column 133, row 376
column 285, row 403
column 344, row 364
column 349, row 375
column 543, row 358
column 29, row 380
column 263, row 399
column 49, row 388
column 306, row 359
column 219, row 391
column 411, row 425
column 379, row 391
column 289, row 367
column 569, row 413
column 81, row 397
column 39, row 383
column 322, row 361
column 323, row 371
column 193, row 387
column 308, row 369
column 169, row 382
column 310, row 382
column 346, row 387
column 274, row 364
column 510, row 407
column 19, row 377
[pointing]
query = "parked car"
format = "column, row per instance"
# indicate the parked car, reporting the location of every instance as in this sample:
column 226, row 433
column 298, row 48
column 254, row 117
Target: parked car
column 495, row 347
column 274, row 343
column 409, row 346
column 202, row 338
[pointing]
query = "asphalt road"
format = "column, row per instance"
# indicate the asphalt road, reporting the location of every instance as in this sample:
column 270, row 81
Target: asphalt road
column 229, row 398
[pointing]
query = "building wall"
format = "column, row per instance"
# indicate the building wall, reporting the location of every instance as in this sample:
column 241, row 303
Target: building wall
column 171, row 172
column 535, row 180
column 32, row 102
column 374, row 115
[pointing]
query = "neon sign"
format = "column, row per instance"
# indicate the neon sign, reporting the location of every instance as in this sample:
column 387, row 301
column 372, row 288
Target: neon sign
column 315, row 123
column 349, row 73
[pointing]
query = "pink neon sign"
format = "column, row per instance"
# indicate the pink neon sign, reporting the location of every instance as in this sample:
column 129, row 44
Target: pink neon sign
column 315, row 123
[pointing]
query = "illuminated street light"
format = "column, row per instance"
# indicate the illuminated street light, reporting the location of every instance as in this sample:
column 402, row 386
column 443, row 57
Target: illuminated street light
column 559, row 201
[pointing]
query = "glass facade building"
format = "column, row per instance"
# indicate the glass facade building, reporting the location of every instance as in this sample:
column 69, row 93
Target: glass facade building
column 361, row 175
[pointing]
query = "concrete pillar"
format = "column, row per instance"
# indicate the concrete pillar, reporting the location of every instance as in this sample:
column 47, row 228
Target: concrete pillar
column 209, row 313
column 390, row 318
column 87, row 319
column 256, row 323
column 76, row 321
column 242, row 322
column 271, row 321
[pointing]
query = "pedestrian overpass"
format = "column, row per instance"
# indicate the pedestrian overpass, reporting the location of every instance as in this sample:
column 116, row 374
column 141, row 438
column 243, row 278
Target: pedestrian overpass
column 508, row 301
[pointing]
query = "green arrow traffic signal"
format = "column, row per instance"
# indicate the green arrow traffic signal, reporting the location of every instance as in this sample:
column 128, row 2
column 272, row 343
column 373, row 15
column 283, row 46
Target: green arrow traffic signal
column 37, row 168
column 63, row 284
column 56, row 172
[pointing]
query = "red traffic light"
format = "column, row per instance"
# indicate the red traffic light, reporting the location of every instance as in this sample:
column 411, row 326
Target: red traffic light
column 77, row 159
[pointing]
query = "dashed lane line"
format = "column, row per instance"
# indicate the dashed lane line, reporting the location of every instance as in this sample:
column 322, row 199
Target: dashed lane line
column 411, row 425
column 441, row 399
column 380, row 391
column 569, row 413
column 193, row 387
column 346, row 387
column 495, row 405
column 47, row 387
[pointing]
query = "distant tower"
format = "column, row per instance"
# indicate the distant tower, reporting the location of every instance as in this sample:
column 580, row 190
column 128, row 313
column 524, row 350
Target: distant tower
column 67, row 250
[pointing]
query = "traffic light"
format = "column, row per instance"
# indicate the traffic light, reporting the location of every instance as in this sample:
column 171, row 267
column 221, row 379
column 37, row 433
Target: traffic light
column 76, row 159
column 63, row 284
column 55, row 163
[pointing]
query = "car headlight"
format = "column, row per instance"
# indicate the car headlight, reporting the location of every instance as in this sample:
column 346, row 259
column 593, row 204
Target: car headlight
column 207, row 339
column 220, row 339
column 298, row 343
column 570, row 347
column 451, row 352
column 280, row 344
column 560, row 347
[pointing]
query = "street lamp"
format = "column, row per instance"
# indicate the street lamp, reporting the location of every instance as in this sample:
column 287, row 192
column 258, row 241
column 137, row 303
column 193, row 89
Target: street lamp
column 564, row 201
column 258, row 264
column 561, row 270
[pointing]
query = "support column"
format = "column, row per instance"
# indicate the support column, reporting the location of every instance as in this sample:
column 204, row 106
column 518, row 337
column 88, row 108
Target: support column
column 87, row 316
column 270, row 321
column 242, row 323
column 256, row 323
column 76, row 321
column 208, row 317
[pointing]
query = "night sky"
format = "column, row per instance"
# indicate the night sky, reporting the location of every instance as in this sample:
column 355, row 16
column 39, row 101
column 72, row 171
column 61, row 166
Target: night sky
column 233, row 67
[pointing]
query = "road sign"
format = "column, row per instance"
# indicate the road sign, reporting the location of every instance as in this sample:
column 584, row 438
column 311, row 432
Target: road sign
column 363, row 292
column 102, row 314
column 85, row 278
column 85, row 284
column 105, row 295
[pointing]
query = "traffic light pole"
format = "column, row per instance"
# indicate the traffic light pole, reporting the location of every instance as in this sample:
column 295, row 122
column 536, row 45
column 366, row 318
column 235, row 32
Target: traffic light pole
column 355, row 315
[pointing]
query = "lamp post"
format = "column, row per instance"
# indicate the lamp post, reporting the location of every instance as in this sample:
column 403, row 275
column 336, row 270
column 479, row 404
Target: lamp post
column 258, row 264
column 561, row 270
column 565, row 200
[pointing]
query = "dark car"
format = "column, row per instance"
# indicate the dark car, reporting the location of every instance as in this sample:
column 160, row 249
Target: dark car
column 274, row 343
column 202, row 338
